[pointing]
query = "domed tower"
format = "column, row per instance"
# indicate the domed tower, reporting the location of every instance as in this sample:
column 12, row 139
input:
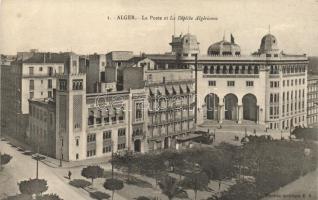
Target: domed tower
column 185, row 45
column 224, row 48
column 268, row 45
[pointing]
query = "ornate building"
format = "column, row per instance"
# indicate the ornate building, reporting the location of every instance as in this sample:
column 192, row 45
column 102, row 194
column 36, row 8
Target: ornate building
column 267, row 87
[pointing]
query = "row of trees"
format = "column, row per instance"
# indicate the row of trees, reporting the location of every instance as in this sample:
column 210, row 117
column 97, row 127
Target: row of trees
column 193, row 167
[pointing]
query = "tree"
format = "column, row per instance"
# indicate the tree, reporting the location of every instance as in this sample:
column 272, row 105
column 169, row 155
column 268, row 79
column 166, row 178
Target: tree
column 170, row 187
column 49, row 197
column 92, row 172
column 5, row 159
column 152, row 165
column 113, row 184
column 241, row 191
column 196, row 181
column 33, row 186
column 126, row 162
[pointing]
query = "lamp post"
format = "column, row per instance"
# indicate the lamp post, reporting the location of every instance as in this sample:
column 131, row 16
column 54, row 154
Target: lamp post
column 0, row 153
column 112, row 146
column 61, row 150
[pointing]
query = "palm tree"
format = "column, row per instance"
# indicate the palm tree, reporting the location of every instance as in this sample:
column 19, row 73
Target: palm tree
column 170, row 187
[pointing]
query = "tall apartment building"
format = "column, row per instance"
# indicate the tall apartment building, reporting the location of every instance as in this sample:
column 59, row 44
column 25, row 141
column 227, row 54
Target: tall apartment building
column 34, row 77
column 312, row 99
column 170, row 100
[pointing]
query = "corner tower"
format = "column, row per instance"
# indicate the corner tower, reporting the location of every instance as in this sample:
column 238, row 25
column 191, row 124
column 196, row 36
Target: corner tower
column 71, row 113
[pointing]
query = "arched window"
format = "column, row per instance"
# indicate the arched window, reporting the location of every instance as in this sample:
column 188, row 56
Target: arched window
column 224, row 70
column 249, row 69
column 243, row 70
column 256, row 71
column 231, row 69
column 218, row 69
column 91, row 118
column 212, row 70
column 205, row 69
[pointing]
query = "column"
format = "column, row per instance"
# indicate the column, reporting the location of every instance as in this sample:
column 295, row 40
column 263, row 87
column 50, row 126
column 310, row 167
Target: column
column 221, row 113
column 257, row 115
column 240, row 114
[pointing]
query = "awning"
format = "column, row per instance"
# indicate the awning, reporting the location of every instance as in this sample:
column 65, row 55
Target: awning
column 190, row 88
column 169, row 89
column 183, row 88
column 176, row 89
column 161, row 91
column 188, row 137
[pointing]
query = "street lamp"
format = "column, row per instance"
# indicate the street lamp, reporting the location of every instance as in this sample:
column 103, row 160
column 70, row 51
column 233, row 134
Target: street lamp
column 61, row 150
column 112, row 146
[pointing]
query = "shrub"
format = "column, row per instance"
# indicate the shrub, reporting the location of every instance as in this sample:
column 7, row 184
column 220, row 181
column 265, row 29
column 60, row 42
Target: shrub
column 5, row 159
column 33, row 186
column 49, row 197
column 79, row 183
column 99, row 195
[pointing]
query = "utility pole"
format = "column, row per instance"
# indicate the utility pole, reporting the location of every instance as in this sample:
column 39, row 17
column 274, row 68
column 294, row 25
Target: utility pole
column 196, row 88
column 37, row 163
column 61, row 150
column 112, row 146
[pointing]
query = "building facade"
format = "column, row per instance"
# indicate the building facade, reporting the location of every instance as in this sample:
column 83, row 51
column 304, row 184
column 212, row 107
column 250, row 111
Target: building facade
column 170, row 99
column 268, row 87
column 312, row 106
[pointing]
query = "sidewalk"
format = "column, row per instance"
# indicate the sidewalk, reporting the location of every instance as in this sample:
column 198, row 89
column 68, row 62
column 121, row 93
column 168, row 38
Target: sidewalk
column 55, row 163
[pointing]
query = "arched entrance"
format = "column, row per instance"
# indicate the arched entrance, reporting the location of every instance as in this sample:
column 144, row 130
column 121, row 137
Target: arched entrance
column 249, row 107
column 230, row 105
column 212, row 103
column 137, row 145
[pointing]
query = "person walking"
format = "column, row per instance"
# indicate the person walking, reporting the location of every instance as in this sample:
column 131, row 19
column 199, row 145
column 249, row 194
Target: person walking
column 69, row 175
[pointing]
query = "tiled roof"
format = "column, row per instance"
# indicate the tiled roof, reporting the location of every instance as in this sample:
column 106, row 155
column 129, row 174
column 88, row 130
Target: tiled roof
column 48, row 58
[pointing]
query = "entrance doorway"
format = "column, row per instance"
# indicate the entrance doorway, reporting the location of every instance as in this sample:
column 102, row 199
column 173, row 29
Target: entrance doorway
column 137, row 145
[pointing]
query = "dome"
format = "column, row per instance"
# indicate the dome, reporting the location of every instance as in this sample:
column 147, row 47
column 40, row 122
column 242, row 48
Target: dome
column 224, row 48
column 190, row 44
column 268, row 44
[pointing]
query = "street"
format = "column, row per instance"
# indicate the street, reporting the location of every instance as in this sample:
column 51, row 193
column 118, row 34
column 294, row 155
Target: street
column 23, row 167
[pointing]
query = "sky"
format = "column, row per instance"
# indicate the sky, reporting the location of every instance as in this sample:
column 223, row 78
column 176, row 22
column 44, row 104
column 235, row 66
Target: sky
column 82, row 26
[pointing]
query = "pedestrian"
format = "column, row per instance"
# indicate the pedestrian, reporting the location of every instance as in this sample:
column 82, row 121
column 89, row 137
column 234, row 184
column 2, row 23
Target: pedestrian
column 69, row 175
column 219, row 185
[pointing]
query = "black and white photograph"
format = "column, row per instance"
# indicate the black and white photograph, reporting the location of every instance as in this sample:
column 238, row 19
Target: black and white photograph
column 158, row 100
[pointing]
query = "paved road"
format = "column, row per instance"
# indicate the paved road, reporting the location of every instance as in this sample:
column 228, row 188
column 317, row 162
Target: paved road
column 304, row 188
column 22, row 167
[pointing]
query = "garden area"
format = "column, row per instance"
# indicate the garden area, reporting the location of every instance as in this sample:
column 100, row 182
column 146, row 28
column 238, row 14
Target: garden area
column 250, row 171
